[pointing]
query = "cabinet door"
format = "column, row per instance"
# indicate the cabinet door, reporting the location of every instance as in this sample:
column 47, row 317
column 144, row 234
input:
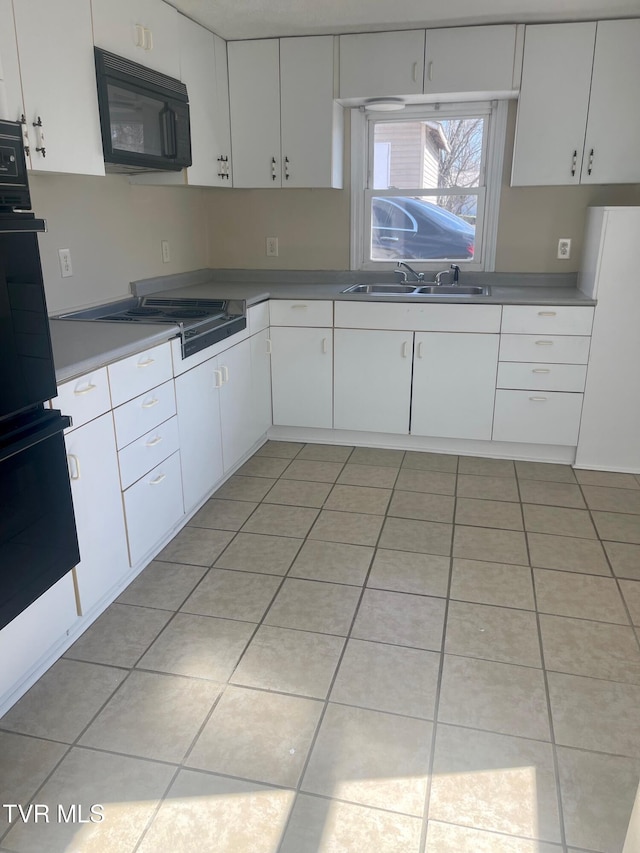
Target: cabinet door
column 153, row 506
column 613, row 128
column 143, row 31
column 378, row 65
column 470, row 59
column 236, row 404
column 30, row 637
column 11, row 104
column 198, row 406
column 209, row 123
column 254, row 96
column 261, row 383
column 310, row 120
column 553, row 104
column 372, row 389
column 59, row 86
column 97, row 503
column 454, row 380
column 302, row 376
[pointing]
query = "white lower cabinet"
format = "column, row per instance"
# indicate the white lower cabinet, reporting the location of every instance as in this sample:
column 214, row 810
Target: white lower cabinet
column 32, row 635
column 153, row 506
column 97, row 503
column 198, row 406
column 236, row 410
column 302, row 376
column 539, row 417
column 372, row 380
column 261, row 379
column 454, row 378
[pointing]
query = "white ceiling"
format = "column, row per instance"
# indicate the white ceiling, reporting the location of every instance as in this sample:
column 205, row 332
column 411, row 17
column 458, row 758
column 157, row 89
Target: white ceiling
column 239, row 19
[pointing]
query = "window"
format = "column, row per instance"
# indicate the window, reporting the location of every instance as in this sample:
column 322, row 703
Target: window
column 425, row 187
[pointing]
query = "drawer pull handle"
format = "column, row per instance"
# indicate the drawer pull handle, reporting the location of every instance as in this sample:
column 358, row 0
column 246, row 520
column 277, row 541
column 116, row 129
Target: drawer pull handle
column 324, row 346
column 541, row 370
column 538, row 399
column 544, row 343
column 269, row 346
column 419, row 351
column 158, row 480
column 218, row 375
column 547, row 313
column 74, row 466
column 225, row 374
column 149, row 404
column 405, row 349
column 86, row 390
column 153, row 441
column 300, row 305
column 147, row 362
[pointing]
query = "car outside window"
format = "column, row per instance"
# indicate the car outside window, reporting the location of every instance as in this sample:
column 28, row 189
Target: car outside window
column 427, row 186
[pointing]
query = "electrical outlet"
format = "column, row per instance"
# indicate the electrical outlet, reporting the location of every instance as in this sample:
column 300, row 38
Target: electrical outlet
column 166, row 254
column 564, row 248
column 64, row 256
column 272, row 247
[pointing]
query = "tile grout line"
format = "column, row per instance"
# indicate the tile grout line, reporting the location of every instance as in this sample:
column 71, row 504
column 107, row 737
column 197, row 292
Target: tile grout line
column 436, row 706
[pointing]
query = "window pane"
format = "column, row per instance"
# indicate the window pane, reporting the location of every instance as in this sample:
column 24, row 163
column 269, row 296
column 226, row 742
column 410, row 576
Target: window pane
column 430, row 154
column 411, row 227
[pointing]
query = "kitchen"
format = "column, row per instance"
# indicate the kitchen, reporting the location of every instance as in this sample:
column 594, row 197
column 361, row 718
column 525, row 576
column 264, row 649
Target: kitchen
column 114, row 230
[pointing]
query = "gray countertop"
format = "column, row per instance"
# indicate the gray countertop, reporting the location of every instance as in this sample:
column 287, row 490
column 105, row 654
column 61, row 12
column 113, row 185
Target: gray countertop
column 80, row 346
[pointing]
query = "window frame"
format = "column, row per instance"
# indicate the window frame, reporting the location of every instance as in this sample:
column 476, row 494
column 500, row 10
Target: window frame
column 488, row 191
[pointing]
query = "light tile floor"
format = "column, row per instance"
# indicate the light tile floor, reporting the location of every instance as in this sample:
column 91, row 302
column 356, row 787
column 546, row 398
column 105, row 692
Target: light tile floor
column 355, row 651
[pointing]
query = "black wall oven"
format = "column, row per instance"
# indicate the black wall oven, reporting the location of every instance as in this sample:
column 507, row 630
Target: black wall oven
column 38, row 543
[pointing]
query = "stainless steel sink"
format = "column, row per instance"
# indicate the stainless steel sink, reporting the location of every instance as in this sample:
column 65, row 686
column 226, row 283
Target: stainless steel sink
column 452, row 290
column 381, row 288
column 418, row 290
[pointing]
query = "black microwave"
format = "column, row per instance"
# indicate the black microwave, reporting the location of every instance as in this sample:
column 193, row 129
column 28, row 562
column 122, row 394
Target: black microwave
column 144, row 117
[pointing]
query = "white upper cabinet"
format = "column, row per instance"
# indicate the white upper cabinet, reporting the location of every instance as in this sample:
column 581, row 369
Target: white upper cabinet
column 311, row 122
column 58, row 95
column 465, row 59
column 576, row 120
column 143, row 31
column 11, row 104
column 378, row 65
column 203, row 60
column 612, row 141
column 254, row 95
column 285, row 128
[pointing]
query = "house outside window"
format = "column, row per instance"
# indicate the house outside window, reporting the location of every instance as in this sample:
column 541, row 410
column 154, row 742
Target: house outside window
column 426, row 185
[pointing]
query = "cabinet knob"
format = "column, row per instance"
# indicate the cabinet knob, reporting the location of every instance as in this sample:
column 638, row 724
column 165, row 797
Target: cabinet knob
column 273, row 169
column 286, row 168
column 574, row 163
column 590, row 167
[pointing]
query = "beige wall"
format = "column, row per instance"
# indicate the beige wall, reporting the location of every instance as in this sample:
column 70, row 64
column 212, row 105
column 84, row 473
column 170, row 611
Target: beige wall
column 113, row 229
column 313, row 225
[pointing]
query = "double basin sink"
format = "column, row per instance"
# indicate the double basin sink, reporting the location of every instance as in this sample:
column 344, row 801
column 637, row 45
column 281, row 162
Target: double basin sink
column 418, row 290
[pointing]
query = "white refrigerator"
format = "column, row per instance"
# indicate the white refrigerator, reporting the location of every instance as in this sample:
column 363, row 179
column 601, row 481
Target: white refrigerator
column 610, row 427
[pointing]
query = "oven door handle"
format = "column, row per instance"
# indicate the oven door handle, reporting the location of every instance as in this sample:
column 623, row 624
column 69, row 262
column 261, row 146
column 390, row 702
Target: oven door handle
column 45, row 427
column 168, row 129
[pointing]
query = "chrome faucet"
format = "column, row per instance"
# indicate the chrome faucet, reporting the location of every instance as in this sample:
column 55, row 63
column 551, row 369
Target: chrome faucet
column 454, row 275
column 418, row 275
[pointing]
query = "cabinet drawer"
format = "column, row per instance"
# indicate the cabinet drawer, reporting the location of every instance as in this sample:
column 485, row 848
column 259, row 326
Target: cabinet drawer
column 549, row 349
column 300, row 312
column 152, row 507
column 138, row 416
column 548, row 320
column 258, row 317
column 542, row 377
column 417, row 318
column 139, row 373
column 143, row 454
column 539, row 418
column 84, row 398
